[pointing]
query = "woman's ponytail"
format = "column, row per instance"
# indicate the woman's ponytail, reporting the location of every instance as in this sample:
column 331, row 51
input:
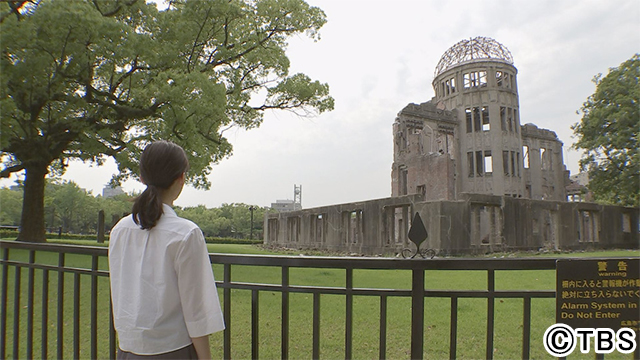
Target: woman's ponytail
column 161, row 163
column 147, row 208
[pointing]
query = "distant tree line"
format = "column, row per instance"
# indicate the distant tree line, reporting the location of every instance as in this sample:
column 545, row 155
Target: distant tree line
column 70, row 209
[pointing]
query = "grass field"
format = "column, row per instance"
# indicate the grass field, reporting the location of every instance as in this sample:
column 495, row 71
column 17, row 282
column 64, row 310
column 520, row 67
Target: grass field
column 471, row 312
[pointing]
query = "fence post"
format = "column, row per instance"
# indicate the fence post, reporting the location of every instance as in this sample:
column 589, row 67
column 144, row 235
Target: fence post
column 417, row 313
column 101, row 226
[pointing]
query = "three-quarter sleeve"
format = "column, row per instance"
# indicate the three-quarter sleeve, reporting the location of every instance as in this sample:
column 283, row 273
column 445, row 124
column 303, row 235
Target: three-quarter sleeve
column 196, row 284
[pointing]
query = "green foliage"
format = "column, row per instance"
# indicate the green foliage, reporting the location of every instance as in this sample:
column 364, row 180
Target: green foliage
column 219, row 240
column 74, row 212
column 104, row 78
column 91, row 79
column 67, row 207
column 73, row 207
column 227, row 221
column 8, row 234
column 608, row 134
column 66, row 236
column 10, row 205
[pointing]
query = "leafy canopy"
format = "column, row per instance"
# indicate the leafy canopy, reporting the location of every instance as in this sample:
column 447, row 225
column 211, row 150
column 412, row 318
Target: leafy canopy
column 608, row 134
column 90, row 79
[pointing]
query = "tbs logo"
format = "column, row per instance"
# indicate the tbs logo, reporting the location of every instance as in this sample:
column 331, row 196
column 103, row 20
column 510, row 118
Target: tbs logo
column 560, row 340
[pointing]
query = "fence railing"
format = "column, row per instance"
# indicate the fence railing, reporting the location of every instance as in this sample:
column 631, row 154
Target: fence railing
column 70, row 269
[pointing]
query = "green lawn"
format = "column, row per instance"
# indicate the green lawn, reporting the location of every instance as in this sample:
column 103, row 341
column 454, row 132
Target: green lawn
column 471, row 312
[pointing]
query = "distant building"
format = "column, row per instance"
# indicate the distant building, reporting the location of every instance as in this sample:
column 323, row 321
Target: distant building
column 581, row 178
column 108, row 191
column 577, row 190
column 290, row 205
column 285, row 205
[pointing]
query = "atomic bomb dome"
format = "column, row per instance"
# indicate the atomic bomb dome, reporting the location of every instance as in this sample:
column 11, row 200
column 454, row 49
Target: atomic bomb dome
column 463, row 160
column 468, row 139
column 473, row 49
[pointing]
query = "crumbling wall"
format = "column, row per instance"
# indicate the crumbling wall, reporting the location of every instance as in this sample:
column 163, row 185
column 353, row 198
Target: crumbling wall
column 431, row 176
column 545, row 175
column 425, row 150
column 474, row 224
column 368, row 227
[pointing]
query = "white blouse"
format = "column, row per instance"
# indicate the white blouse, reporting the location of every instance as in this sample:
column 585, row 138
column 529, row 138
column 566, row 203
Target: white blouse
column 162, row 286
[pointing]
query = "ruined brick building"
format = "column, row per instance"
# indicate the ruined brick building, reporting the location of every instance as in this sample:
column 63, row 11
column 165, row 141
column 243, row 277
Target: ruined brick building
column 468, row 138
column 480, row 180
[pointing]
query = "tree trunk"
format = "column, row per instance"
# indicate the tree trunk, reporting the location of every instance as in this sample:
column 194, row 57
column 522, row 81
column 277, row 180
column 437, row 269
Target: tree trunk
column 32, row 222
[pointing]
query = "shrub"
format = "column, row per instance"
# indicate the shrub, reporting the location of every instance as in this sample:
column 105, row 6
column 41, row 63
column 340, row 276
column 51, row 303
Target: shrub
column 227, row 240
column 12, row 234
column 8, row 234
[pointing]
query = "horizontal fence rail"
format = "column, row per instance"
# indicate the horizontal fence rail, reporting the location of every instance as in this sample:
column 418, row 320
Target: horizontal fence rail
column 53, row 298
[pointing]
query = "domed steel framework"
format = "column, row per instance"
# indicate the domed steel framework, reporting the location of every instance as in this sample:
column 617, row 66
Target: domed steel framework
column 473, row 49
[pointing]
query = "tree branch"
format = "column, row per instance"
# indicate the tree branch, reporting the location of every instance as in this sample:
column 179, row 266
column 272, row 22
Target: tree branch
column 114, row 11
column 195, row 41
column 14, row 8
column 238, row 55
column 6, row 172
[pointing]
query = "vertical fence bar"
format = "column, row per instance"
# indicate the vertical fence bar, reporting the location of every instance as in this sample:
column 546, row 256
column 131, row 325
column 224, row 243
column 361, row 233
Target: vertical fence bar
column 45, row 314
column 383, row 327
column 417, row 313
column 316, row 326
column 16, row 314
column 348, row 327
column 526, row 328
column 491, row 282
column 255, row 324
column 30, row 301
column 3, row 305
column 453, row 328
column 76, row 316
column 94, row 307
column 285, row 313
column 227, row 311
column 112, row 332
column 60, row 320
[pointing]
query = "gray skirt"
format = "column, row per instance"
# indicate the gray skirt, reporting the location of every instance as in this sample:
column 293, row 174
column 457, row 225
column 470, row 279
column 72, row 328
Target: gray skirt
column 188, row 352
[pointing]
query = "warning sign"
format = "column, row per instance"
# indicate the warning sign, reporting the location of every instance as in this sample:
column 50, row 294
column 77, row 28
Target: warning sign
column 598, row 293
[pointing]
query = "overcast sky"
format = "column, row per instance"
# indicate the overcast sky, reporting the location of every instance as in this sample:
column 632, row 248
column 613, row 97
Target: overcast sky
column 378, row 56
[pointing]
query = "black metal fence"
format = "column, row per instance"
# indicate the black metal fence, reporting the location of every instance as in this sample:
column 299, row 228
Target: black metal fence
column 73, row 322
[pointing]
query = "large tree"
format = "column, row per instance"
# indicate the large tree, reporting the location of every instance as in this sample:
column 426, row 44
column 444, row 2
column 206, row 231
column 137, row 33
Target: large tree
column 608, row 134
column 91, row 79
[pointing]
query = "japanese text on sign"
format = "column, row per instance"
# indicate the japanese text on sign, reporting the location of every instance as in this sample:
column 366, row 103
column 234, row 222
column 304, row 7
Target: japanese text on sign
column 598, row 293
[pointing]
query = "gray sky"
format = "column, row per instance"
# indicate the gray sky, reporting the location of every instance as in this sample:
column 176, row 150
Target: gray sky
column 377, row 57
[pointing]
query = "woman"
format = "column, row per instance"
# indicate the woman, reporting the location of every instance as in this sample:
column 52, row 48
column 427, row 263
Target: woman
column 165, row 302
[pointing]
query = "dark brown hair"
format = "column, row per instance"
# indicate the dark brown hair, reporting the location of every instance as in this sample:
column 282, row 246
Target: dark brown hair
column 161, row 163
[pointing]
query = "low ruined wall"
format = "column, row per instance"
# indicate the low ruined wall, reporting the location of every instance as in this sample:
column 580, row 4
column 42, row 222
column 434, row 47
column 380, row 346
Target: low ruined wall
column 359, row 228
column 473, row 224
